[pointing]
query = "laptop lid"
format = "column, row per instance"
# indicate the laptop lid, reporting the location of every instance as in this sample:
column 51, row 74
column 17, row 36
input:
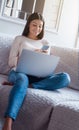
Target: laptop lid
column 36, row 64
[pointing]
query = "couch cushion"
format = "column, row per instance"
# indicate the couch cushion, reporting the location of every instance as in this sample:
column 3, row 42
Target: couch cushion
column 69, row 62
column 65, row 117
column 5, row 44
column 38, row 106
column 3, row 78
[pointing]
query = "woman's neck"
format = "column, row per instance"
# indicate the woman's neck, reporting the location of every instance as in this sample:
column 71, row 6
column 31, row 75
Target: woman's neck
column 32, row 37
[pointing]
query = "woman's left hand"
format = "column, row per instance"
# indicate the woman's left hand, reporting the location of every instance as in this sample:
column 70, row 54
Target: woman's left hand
column 41, row 51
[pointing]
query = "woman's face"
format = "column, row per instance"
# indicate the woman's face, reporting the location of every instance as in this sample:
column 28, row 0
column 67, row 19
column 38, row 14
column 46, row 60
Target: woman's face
column 35, row 28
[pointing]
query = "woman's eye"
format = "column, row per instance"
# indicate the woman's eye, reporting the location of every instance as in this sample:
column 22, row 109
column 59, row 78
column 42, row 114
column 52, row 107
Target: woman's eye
column 37, row 26
column 40, row 26
column 34, row 25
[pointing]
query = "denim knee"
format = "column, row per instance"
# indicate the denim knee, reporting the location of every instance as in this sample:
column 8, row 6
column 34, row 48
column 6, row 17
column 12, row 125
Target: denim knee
column 22, row 80
column 21, row 76
column 66, row 78
column 12, row 76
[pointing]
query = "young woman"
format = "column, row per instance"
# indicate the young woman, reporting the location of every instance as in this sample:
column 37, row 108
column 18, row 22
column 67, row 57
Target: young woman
column 32, row 39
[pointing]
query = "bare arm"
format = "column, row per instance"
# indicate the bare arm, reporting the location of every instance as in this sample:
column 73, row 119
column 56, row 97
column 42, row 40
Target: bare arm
column 47, row 51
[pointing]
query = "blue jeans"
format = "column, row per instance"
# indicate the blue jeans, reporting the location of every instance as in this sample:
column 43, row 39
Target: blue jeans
column 21, row 83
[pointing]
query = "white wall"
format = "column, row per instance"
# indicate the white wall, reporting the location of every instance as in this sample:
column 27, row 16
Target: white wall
column 68, row 26
column 11, row 26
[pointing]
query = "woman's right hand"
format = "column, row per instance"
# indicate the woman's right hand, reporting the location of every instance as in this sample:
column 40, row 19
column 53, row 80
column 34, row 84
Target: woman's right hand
column 38, row 50
column 41, row 51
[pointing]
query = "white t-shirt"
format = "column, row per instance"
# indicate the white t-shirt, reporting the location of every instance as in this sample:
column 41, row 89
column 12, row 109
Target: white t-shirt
column 20, row 43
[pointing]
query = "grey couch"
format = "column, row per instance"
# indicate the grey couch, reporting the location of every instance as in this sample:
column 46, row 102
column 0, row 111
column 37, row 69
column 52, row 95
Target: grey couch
column 44, row 110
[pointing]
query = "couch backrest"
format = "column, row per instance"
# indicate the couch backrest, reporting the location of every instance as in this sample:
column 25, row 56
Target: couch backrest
column 69, row 62
column 5, row 45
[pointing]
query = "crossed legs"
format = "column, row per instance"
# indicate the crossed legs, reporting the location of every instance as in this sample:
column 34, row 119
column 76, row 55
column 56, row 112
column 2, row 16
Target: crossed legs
column 18, row 92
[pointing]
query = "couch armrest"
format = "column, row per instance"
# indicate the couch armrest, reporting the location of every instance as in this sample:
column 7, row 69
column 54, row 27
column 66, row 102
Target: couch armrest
column 68, row 63
column 5, row 44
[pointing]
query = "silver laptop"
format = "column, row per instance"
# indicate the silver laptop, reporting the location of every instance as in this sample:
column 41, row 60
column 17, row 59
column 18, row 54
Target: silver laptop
column 37, row 64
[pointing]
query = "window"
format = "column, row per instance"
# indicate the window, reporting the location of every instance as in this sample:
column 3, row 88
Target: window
column 21, row 8
column 52, row 14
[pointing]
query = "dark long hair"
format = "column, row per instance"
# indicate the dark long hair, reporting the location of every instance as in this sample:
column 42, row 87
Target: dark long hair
column 32, row 17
